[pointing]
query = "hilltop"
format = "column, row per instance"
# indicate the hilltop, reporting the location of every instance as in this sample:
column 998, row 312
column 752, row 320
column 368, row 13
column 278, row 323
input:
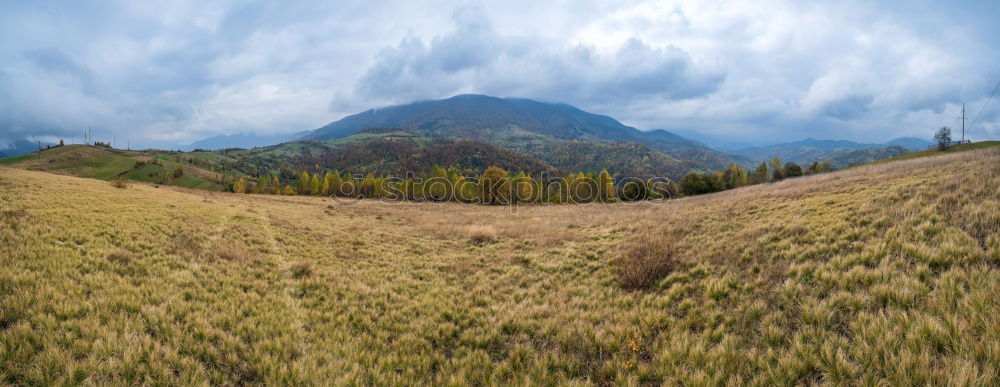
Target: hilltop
column 529, row 127
column 881, row 274
column 196, row 170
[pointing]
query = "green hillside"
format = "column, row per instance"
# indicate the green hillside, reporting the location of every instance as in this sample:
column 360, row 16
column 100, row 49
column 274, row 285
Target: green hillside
column 105, row 163
column 385, row 151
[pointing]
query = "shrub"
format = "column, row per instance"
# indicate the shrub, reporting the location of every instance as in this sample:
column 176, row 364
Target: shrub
column 301, row 270
column 645, row 260
column 120, row 182
column 695, row 183
column 482, row 234
column 792, row 170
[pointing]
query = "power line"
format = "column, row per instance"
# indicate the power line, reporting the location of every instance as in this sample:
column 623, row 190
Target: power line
column 984, row 105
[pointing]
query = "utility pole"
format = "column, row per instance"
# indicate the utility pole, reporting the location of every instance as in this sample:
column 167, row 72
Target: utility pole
column 963, row 123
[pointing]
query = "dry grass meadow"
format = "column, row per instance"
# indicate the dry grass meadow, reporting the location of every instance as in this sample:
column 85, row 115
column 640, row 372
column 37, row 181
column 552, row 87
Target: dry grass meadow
column 886, row 274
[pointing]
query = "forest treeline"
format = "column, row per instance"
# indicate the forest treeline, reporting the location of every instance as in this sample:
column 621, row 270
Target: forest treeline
column 497, row 186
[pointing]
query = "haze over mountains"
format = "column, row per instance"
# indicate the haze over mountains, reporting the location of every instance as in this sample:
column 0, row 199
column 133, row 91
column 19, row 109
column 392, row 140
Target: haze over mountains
column 20, row 147
column 243, row 140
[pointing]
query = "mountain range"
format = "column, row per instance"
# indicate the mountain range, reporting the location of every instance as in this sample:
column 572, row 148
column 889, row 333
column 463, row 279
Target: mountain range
column 470, row 132
column 243, row 140
column 843, row 153
column 562, row 135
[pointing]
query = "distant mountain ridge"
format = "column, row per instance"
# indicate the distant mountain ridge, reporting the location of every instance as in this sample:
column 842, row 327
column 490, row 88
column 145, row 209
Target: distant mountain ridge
column 910, row 143
column 842, row 153
column 535, row 128
column 242, row 140
column 21, row 146
column 389, row 151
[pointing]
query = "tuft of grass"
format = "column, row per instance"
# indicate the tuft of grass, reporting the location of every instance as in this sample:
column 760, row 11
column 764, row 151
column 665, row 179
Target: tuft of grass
column 302, row 270
column 480, row 234
column 645, row 260
column 233, row 252
column 120, row 182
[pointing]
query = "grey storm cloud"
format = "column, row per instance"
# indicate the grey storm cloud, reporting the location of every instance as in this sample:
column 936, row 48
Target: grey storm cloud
column 173, row 72
column 476, row 58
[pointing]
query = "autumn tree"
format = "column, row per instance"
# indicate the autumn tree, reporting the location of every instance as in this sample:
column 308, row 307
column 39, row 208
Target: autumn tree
column 735, row 177
column 302, row 188
column 367, row 187
column 605, row 187
column 494, row 186
column 314, row 186
column 240, row 186
column 777, row 169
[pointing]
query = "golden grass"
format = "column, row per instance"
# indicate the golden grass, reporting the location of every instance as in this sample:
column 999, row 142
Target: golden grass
column 885, row 274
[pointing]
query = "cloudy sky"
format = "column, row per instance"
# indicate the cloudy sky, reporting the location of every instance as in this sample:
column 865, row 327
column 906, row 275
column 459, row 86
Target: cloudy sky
column 175, row 72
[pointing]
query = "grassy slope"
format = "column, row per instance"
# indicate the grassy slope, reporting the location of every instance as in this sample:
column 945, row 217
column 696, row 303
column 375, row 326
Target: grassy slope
column 936, row 152
column 885, row 274
column 104, row 164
